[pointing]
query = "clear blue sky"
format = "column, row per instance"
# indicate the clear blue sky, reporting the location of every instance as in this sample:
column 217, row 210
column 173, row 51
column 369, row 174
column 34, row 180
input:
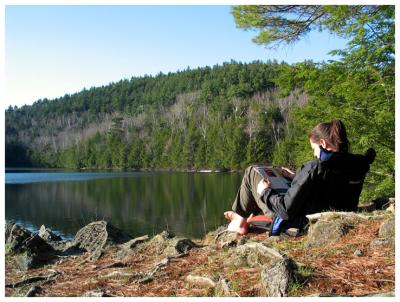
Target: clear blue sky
column 54, row 50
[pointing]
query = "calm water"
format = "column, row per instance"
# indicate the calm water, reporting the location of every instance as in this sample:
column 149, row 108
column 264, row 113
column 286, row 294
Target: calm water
column 188, row 204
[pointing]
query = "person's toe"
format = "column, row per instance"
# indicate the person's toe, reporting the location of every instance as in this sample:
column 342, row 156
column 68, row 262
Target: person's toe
column 229, row 215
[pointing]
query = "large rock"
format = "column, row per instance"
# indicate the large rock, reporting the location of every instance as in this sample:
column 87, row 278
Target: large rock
column 225, row 238
column 96, row 236
column 30, row 250
column 16, row 237
column 386, row 229
column 169, row 244
column 129, row 248
column 35, row 253
column 276, row 277
column 251, row 254
column 56, row 242
column 327, row 231
column 383, row 243
column 386, row 235
column 8, row 227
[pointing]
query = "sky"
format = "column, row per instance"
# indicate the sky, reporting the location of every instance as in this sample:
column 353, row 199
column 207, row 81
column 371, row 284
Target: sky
column 54, row 50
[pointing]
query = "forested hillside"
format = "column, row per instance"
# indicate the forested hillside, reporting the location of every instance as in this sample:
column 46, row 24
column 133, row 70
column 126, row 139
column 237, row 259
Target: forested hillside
column 223, row 117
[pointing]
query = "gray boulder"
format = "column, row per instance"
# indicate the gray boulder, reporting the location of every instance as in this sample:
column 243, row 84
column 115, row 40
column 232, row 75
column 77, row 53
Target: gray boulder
column 252, row 254
column 129, row 248
column 324, row 232
column 98, row 235
column 276, row 278
column 386, row 229
column 169, row 244
column 35, row 253
column 8, row 227
column 386, row 235
column 30, row 250
column 16, row 236
column 225, row 238
column 56, row 242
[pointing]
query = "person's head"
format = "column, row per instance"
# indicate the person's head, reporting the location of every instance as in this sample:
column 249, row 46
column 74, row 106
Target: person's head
column 331, row 136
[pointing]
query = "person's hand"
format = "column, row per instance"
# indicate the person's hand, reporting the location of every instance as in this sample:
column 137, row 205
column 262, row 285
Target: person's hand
column 286, row 172
column 262, row 185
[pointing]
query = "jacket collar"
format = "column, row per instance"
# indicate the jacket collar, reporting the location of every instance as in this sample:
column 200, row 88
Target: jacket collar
column 324, row 154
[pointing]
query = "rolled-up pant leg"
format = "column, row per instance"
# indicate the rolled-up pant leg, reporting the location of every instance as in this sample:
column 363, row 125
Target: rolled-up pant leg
column 247, row 199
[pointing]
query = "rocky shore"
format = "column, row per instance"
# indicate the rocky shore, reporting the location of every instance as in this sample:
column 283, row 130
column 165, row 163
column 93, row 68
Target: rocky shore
column 341, row 254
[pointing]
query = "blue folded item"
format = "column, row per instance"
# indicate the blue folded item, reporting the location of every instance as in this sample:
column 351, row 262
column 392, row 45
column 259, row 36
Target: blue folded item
column 277, row 225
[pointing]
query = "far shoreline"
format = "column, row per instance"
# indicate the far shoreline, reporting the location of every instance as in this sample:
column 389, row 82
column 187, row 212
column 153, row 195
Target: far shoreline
column 204, row 170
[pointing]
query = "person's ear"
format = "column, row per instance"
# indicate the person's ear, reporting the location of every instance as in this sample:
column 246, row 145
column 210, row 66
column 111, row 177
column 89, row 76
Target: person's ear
column 323, row 143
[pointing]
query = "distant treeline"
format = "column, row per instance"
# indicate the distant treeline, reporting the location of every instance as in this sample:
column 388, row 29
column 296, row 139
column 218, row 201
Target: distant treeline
column 222, row 117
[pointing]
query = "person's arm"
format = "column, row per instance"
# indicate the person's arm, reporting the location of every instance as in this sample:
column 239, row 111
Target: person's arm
column 288, row 205
column 286, row 172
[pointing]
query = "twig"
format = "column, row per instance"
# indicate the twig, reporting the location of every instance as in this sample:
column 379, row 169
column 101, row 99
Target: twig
column 32, row 280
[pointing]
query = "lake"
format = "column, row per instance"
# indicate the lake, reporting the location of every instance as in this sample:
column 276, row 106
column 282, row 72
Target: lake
column 185, row 203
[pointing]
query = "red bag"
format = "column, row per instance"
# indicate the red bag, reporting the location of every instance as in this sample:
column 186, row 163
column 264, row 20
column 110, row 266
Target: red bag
column 260, row 223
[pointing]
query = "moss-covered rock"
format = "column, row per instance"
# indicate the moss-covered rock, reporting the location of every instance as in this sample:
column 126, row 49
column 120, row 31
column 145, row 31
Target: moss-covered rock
column 167, row 243
column 328, row 231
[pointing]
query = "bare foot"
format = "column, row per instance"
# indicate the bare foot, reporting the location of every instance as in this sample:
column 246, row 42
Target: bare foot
column 238, row 223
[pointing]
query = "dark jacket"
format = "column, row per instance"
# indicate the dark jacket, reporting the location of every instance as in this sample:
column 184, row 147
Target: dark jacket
column 333, row 184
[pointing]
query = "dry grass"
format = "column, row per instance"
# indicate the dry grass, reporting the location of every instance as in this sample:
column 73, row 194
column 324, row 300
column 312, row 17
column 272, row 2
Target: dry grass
column 339, row 271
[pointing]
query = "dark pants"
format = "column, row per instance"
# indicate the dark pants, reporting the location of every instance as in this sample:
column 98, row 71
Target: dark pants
column 247, row 199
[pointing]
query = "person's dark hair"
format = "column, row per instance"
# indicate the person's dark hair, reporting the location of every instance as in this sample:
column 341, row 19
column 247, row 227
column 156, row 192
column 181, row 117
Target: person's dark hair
column 334, row 132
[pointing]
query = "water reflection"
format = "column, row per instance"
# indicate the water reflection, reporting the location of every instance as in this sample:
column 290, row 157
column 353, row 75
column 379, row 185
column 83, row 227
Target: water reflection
column 187, row 204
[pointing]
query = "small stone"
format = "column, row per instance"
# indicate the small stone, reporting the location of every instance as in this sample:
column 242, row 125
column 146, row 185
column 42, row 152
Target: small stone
column 200, row 280
column 95, row 293
column 358, row 252
column 293, row 232
column 47, row 235
column 391, row 208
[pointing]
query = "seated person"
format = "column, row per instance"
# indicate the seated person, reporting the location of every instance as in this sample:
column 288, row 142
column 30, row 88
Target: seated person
column 333, row 181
